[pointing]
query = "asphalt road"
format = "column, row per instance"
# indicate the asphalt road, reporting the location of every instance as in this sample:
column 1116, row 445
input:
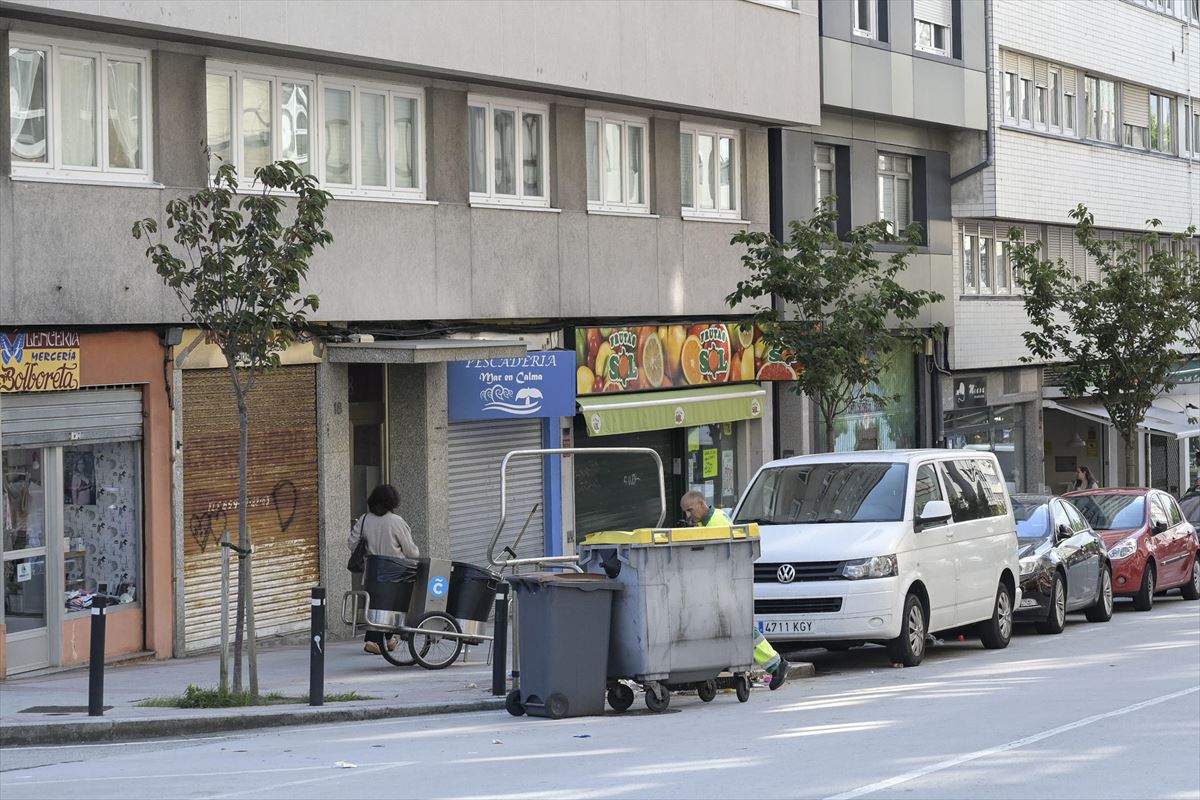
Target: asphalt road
column 1103, row 710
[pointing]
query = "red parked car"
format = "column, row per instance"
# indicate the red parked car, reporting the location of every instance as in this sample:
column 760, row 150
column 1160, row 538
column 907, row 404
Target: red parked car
column 1151, row 545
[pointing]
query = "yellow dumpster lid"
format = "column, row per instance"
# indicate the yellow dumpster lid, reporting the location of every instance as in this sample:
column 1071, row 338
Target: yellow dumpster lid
column 653, row 536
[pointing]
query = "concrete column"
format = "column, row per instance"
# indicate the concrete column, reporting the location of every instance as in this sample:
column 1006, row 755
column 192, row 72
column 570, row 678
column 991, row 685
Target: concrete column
column 664, row 177
column 447, row 146
column 180, row 120
column 333, row 485
column 418, row 456
column 569, row 177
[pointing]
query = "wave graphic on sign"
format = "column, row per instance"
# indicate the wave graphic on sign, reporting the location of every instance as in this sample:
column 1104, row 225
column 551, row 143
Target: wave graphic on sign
column 521, row 403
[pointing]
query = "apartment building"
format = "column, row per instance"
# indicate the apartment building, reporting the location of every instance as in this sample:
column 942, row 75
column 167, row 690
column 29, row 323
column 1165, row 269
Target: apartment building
column 902, row 81
column 523, row 192
column 1090, row 103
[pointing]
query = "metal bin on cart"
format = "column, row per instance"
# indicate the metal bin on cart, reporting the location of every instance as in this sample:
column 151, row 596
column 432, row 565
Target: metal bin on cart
column 686, row 610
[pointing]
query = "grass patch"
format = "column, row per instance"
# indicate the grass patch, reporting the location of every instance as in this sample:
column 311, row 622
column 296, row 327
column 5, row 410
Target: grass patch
column 203, row 697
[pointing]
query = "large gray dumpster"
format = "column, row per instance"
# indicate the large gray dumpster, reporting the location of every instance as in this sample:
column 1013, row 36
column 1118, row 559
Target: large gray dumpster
column 686, row 612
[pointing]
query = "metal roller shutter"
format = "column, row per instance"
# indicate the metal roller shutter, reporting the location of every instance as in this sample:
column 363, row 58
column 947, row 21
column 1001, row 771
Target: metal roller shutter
column 476, row 450
column 936, row 11
column 69, row 418
column 283, row 511
column 1135, row 105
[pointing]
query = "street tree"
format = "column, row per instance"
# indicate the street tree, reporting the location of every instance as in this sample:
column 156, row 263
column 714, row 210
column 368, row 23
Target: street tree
column 832, row 306
column 237, row 268
column 1116, row 337
column 1190, row 306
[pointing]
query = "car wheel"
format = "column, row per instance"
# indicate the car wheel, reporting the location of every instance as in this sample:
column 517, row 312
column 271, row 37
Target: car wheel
column 995, row 633
column 1102, row 610
column 909, row 647
column 1191, row 589
column 1056, row 617
column 1144, row 599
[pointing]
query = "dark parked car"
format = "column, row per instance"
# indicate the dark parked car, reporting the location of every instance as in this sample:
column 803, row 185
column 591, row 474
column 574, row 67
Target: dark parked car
column 1151, row 546
column 1064, row 563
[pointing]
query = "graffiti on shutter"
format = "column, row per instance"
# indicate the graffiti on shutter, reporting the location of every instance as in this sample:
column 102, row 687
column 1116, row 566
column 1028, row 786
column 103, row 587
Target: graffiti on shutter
column 282, row 499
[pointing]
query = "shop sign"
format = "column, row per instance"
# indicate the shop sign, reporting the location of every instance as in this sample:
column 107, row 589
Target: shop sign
column 39, row 361
column 970, row 392
column 643, row 357
column 541, row 384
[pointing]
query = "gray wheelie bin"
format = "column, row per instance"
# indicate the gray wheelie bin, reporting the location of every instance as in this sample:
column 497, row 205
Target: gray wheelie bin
column 563, row 630
column 686, row 610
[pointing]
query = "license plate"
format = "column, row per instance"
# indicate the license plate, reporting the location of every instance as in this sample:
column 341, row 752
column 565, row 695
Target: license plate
column 767, row 626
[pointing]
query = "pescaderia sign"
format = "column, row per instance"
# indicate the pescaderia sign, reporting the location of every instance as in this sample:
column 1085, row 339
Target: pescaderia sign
column 539, row 384
column 39, row 361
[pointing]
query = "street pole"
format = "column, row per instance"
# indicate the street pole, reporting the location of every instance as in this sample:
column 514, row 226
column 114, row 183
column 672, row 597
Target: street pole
column 316, row 649
column 96, row 664
column 500, row 642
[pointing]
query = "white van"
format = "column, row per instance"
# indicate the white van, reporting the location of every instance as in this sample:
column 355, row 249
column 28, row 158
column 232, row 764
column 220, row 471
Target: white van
column 883, row 547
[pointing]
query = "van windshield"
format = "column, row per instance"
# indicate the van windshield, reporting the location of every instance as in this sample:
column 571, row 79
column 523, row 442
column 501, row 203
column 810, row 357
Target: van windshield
column 820, row 493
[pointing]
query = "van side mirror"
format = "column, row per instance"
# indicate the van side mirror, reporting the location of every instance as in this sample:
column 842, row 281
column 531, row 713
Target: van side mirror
column 934, row 513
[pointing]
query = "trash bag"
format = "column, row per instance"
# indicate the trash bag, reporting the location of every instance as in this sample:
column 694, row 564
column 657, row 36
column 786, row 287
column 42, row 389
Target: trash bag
column 472, row 591
column 389, row 582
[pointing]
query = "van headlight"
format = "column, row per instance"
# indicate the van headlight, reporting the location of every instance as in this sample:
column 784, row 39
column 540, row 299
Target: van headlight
column 1123, row 549
column 876, row 567
column 1029, row 565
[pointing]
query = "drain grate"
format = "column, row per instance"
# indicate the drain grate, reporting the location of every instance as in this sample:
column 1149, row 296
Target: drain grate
column 58, row 710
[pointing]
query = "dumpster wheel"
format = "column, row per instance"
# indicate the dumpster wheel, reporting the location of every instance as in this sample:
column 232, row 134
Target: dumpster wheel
column 429, row 645
column 741, row 685
column 658, row 696
column 620, row 697
column 707, row 691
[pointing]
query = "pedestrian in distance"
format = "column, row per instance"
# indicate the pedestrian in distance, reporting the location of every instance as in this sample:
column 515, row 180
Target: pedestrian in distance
column 700, row 514
column 386, row 534
column 1084, row 479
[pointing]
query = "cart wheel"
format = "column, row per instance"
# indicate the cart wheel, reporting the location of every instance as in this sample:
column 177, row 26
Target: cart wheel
column 658, row 697
column 707, row 691
column 512, row 703
column 741, row 685
column 556, row 706
column 399, row 658
column 429, row 645
column 620, row 697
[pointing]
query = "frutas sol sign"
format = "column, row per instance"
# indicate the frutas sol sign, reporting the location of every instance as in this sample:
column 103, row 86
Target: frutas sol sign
column 642, row 357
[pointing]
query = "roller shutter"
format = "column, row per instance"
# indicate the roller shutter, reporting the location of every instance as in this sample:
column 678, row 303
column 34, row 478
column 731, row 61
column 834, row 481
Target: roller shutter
column 72, row 418
column 1135, row 105
column 936, row 11
column 283, row 510
column 476, row 450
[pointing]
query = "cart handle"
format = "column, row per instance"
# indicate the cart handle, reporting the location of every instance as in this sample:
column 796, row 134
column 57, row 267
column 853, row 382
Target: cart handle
column 568, row 451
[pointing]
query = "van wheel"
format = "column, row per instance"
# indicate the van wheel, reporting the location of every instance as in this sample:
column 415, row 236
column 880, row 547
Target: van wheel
column 1102, row 610
column 1056, row 617
column 909, row 647
column 1144, row 599
column 995, row 633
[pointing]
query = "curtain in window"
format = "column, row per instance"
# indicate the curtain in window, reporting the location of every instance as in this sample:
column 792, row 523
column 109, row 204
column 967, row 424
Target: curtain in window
column 687, row 154
column 372, row 120
column 612, row 163
column 27, row 105
column 220, row 120
column 77, row 104
column 592, row 147
column 531, row 152
column 293, row 123
column 636, row 168
column 124, row 114
column 727, row 169
column 477, row 125
column 404, row 118
column 338, row 137
column 707, row 177
column 504, row 125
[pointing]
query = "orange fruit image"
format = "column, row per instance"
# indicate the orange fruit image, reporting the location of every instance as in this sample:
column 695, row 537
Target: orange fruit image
column 689, row 360
column 775, row 371
column 673, row 341
column 652, row 361
column 584, row 380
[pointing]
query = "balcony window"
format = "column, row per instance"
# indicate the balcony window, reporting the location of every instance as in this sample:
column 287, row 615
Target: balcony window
column 617, row 155
column 78, row 112
column 508, row 143
column 1100, row 95
column 1162, row 124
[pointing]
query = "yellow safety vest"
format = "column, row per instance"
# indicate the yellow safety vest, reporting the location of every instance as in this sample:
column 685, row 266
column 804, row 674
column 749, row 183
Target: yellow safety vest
column 716, row 518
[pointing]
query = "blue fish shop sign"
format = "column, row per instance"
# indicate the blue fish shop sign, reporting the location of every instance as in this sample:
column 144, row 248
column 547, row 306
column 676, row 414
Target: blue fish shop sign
column 542, row 384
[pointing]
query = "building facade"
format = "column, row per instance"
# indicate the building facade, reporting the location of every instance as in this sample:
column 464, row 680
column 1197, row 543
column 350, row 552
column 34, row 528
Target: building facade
column 505, row 176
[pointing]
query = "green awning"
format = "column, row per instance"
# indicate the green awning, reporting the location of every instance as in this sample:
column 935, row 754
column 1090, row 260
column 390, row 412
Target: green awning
column 608, row 414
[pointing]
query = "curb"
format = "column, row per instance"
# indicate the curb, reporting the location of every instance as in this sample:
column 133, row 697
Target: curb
column 120, row 730
column 802, row 669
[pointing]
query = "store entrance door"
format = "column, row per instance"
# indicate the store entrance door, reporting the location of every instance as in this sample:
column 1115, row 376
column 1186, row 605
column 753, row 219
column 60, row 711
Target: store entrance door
column 27, row 607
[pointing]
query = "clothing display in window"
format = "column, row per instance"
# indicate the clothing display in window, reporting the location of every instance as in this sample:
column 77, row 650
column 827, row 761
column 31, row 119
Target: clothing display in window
column 101, row 519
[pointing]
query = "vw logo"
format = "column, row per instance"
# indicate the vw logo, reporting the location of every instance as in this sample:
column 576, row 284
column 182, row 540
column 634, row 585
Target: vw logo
column 786, row 573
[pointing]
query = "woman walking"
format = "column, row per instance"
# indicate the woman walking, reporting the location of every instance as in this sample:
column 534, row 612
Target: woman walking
column 386, row 534
column 1084, row 479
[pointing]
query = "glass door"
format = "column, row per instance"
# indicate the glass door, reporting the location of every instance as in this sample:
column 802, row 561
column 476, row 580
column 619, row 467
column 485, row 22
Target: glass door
column 28, row 481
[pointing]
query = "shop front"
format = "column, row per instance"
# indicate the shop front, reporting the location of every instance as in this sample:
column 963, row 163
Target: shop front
column 889, row 424
column 998, row 412
column 689, row 392
column 85, row 435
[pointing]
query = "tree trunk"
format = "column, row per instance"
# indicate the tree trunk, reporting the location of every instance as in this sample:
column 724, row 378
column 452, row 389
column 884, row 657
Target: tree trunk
column 244, row 597
column 830, row 433
column 1129, row 438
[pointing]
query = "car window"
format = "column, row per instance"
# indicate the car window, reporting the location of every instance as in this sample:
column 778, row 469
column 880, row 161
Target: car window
column 927, row 489
column 1190, row 506
column 1033, row 519
column 1173, row 511
column 993, row 486
column 963, row 490
column 1060, row 516
column 1110, row 512
column 1078, row 523
column 1157, row 512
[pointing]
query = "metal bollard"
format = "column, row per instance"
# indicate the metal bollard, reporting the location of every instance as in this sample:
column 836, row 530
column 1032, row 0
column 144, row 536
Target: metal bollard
column 316, row 652
column 500, row 642
column 96, row 664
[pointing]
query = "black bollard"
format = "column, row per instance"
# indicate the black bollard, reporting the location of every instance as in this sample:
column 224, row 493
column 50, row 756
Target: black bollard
column 316, row 652
column 96, row 664
column 500, row 642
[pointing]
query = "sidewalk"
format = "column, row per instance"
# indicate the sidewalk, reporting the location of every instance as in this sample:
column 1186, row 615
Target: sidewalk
column 61, row 698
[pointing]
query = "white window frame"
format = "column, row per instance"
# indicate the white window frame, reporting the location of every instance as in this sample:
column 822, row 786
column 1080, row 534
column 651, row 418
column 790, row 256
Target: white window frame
column 317, row 83
column 694, row 211
column 1011, row 99
column 1093, row 107
column 829, row 167
column 519, row 108
column 871, row 31
column 907, row 175
column 933, row 31
column 53, row 168
column 1191, row 127
column 1157, row 102
column 999, row 260
column 625, row 121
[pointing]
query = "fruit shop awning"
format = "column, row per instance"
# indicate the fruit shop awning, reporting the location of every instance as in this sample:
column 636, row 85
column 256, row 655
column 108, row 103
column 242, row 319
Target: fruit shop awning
column 610, row 414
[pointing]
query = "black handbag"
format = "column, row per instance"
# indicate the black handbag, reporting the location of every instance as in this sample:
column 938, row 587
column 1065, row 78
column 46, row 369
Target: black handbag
column 358, row 557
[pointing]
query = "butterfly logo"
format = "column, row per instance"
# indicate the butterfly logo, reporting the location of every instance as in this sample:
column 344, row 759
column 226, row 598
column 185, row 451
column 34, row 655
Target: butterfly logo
column 12, row 349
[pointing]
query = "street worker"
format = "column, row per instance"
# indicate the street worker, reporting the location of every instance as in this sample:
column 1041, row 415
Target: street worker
column 701, row 514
